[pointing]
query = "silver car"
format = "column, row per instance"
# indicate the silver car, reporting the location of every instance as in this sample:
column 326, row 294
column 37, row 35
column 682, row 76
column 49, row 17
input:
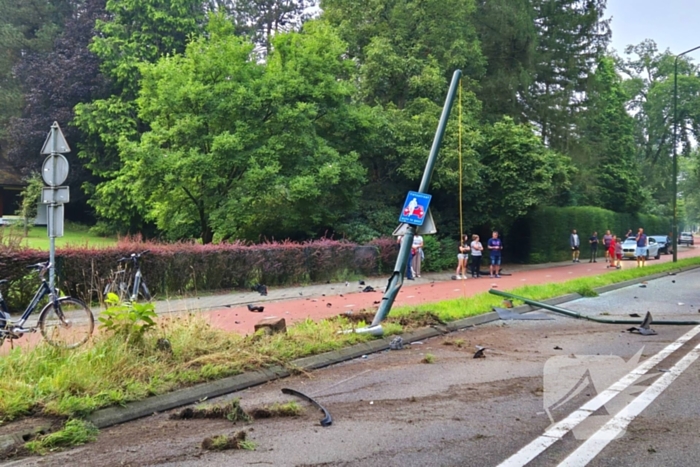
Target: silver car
column 630, row 245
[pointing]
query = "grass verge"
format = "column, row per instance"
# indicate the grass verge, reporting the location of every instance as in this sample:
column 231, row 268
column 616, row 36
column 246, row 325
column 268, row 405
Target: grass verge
column 451, row 310
column 109, row 371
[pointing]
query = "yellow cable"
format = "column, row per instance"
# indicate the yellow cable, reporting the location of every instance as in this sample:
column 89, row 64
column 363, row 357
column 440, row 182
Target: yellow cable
column 459, row 151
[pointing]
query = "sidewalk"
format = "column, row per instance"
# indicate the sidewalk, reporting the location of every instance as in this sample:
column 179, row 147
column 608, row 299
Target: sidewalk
column 298, row 303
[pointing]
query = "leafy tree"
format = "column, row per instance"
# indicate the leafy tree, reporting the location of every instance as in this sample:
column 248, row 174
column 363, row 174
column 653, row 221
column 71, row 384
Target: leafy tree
column 508, row 37
column 517, row 173
column 30, row 197
column 137, row 31
column 260, row 20
column 611, row 177
column 571, row 38
column 53, row 83
column 650, row 85
column 25, row 28
column 239, row 148
column 406, row 52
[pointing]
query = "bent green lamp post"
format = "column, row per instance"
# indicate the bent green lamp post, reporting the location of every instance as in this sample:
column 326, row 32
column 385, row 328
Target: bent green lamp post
column 397, row 278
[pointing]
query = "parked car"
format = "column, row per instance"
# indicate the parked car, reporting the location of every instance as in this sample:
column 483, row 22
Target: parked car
column 686, row 238
column 630, row 245
column 665, row 244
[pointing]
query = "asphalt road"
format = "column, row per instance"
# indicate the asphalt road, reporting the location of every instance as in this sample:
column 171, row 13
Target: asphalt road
column 391, row 409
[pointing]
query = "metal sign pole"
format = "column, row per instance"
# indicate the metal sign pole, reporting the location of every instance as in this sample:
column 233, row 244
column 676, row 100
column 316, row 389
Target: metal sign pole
column 54, row 172
column 396, row 280
column 52, row 210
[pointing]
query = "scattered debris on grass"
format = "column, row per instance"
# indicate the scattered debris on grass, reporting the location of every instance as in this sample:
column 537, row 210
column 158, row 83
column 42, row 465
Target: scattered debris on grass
column 225, row 442
column 288, row 409
column 231, row 411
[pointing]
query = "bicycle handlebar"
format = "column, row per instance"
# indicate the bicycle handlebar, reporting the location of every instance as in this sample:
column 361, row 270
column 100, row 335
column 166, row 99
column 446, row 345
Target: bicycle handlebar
column 41, row 268
column 133, row 256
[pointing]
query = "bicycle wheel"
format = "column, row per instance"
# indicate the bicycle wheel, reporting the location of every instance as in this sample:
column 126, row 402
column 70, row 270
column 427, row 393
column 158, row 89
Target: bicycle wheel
column 73, row 330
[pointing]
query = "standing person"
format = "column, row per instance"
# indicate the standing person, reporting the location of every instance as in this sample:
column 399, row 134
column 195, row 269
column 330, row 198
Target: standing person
column 409, row 266
column 594, row 247
column 495, row 245
column 462, row 258
column 418, row 256
column 641, row 252
column 575, row 244
column 606, row 244
column 618, row 252
column 612, row 251
column 477, row 249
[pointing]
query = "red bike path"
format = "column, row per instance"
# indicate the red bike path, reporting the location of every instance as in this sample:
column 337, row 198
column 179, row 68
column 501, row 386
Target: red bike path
column 241, row 320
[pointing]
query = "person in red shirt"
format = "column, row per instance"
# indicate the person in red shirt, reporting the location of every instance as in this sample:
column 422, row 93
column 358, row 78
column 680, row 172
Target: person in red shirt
column 611, row 251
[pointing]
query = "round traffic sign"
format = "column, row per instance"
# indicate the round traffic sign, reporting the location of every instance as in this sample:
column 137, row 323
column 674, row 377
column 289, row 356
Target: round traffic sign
column 55, row 170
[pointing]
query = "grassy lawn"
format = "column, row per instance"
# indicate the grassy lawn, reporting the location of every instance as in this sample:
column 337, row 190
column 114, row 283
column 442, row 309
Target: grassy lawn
column 74, row 235
column 112, row 369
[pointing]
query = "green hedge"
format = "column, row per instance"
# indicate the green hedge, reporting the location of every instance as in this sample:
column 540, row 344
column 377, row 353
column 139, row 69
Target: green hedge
column 544, row 235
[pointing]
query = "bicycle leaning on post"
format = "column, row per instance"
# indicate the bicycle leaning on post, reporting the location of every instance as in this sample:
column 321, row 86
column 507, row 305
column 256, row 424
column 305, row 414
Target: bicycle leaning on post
column 64, row 321
column 128, row 286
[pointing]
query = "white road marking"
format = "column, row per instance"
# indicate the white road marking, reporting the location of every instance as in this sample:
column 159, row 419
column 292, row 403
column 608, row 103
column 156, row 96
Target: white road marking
column 555, row 432
column 608, row 432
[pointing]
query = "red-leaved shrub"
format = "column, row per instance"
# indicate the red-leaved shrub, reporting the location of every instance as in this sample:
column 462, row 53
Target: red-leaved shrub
column 177, row 268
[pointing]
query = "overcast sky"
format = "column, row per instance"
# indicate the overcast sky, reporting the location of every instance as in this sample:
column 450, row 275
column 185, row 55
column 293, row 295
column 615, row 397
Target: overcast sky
column 672, row 24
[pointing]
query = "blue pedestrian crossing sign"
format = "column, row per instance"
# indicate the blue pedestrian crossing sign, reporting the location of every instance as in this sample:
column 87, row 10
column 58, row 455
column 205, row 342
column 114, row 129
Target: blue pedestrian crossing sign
column 415, row 209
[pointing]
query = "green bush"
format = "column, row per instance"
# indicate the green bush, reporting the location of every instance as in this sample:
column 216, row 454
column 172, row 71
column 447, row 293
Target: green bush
column 440, row 254
column 544, row 235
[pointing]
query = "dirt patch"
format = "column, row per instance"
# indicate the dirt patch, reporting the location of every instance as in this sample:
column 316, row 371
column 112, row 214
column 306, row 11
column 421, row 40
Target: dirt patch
column 231, row 411
column 289, row 409
column 226, row 442
column 418, row 319
column 366, row 316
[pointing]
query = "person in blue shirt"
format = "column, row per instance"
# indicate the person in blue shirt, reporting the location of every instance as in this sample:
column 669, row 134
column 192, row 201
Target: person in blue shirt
column 641, row 251
column 495, row 245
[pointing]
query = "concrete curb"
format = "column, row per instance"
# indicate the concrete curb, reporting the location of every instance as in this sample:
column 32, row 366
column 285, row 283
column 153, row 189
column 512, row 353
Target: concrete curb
column 114, row 415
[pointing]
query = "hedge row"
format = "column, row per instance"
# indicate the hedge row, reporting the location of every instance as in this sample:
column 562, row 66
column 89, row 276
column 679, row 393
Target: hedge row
column 544, row 235
column 173, row 269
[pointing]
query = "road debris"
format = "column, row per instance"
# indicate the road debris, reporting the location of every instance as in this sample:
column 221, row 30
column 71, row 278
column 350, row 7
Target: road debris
column 327, row 420
column 255, row 308
column 480, row 352
column 396, row 343
column 644, row 328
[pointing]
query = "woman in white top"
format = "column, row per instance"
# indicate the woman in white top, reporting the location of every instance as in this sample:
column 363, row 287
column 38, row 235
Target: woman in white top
column 462, row 258
column 418, row 256
column 477, row 248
